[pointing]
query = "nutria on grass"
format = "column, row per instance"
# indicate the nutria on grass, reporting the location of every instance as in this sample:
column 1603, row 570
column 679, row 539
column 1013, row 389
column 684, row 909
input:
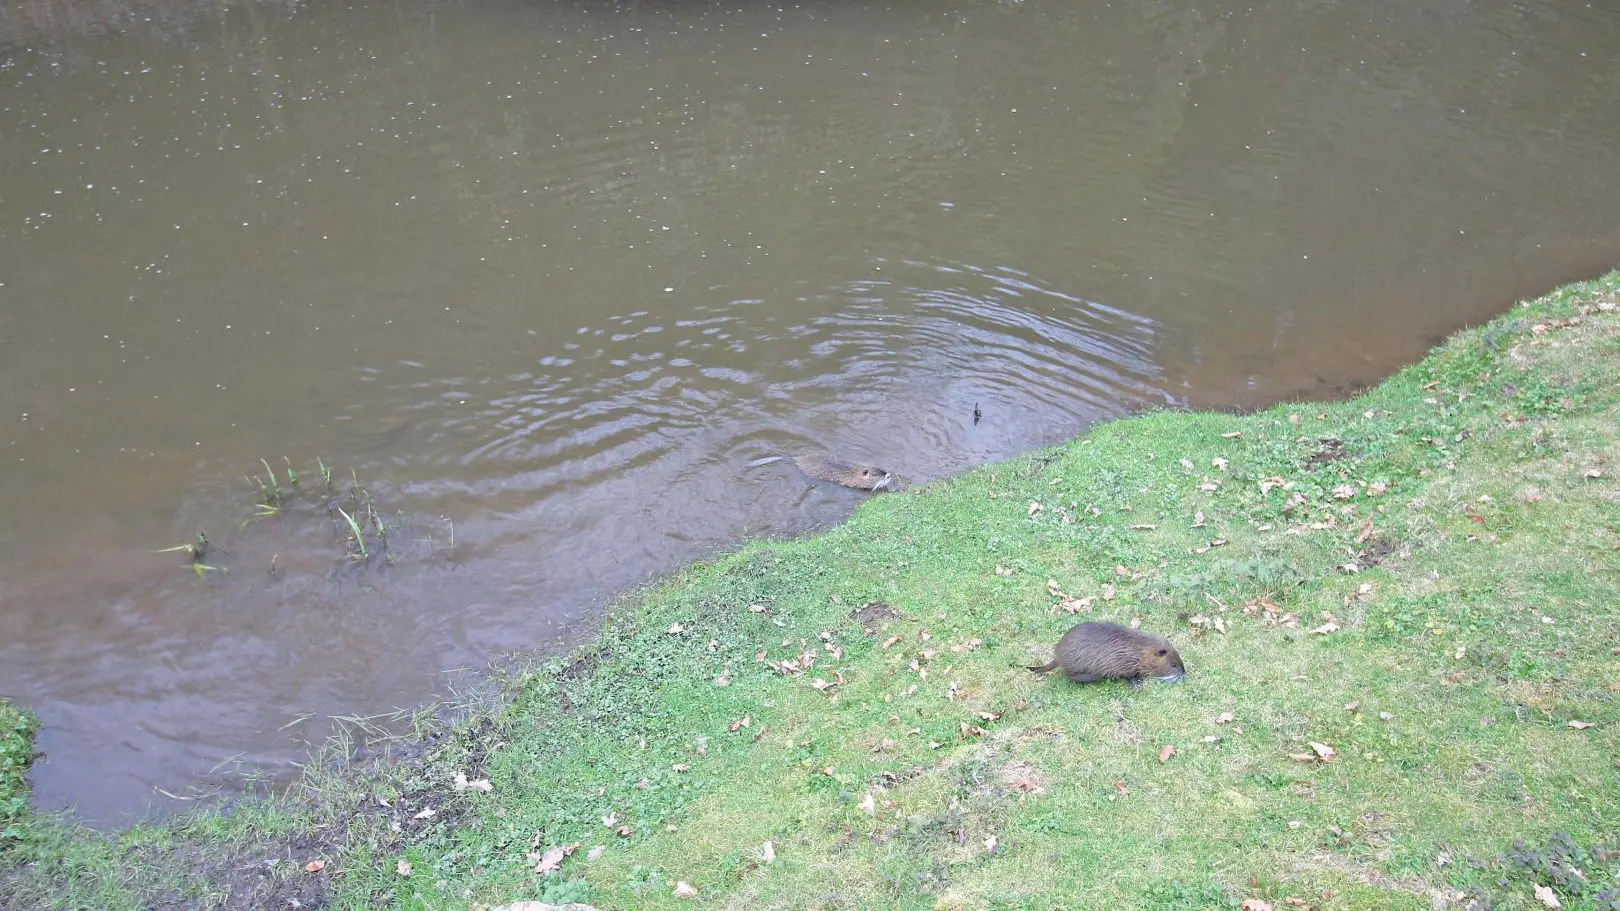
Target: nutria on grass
column 1097, row 651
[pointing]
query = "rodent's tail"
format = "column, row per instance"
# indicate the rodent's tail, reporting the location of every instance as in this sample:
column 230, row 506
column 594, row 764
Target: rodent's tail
column 1045, row 667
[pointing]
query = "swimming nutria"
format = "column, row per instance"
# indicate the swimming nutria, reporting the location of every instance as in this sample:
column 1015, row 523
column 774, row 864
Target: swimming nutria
column 860, row 477
column 1095, row 651
column 826, row 468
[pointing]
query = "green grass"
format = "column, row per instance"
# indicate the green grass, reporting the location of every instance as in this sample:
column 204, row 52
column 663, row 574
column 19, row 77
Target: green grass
column 16, row 755
column 1422, row 583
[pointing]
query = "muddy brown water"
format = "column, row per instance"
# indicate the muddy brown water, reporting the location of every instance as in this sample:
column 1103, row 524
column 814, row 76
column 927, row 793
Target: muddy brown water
column 555, row 273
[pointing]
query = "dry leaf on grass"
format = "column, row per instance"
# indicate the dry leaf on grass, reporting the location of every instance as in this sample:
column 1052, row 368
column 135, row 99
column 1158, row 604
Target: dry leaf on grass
column 1166, row 752
column 403, row 868
column 552, row 859
column 1580, row 725
column 684, row 889
column 1546, row 896
column 1254, row 904
column 315, row 866
column 461, row 783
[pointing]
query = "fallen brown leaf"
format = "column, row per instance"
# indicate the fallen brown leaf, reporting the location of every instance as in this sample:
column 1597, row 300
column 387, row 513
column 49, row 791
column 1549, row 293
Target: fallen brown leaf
column 551, row 860
column 1232, row 436
column 1254, row 904
column 1165, row 753
column 315, row 866
column 1122, row 788
column 1327, row 753
column 684, row 889
column 403, row 868
column 1546, row 896
column 1580, row 725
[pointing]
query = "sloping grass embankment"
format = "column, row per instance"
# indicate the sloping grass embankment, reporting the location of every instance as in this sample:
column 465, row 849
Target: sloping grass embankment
column 1400, row 614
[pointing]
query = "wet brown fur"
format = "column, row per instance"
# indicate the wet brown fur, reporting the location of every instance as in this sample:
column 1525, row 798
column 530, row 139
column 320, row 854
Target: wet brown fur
column 1096, row 651
column 859, row 477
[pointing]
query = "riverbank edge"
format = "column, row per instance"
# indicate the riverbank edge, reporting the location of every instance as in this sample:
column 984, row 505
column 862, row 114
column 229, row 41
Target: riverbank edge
column 371, row 824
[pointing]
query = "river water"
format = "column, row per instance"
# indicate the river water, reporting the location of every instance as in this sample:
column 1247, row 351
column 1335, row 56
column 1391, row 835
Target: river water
column 549, row 276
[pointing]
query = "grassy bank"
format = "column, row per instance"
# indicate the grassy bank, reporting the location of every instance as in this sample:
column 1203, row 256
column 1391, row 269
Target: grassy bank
column 1400, row 615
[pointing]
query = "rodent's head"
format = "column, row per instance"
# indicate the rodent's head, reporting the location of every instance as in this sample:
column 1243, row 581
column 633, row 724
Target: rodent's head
column 875, row 478
column 1161, row 661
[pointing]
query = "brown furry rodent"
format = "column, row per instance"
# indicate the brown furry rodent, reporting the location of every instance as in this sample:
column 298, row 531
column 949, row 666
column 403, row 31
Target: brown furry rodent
column 860, row 477
column 1095, row 651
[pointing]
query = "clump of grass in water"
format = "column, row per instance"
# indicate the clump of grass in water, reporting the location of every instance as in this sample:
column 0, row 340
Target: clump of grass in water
column 272, row 496
column 357, row 536
column 362, row 518
column 195, row 551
